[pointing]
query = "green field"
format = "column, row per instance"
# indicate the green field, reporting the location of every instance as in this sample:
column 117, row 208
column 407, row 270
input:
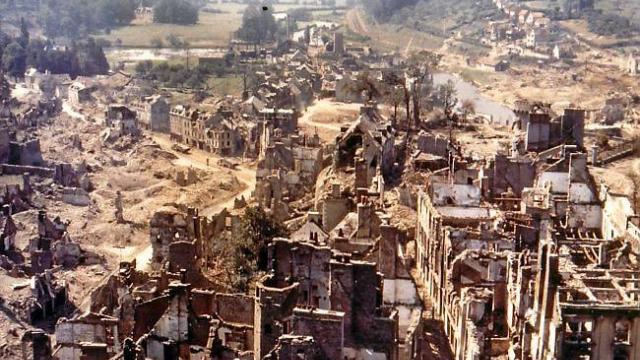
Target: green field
column 228, row 85
column 212, row 29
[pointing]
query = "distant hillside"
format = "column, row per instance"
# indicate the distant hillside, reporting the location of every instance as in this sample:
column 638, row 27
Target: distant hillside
column 617, row 18
column 383, row 10
column 434, row 16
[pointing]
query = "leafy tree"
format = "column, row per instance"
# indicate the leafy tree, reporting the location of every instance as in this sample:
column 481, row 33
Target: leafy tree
column 176, row 42
column 258, row 24
column 157, row 43
column 179, row 12
column 448, row 96
column 365, row 83
column 91, row 59
column 36, row 55
column 5, row 40
column 116, row 12
column 143, row 68
column 14, row 60
column 257, row 230
column 23, row 39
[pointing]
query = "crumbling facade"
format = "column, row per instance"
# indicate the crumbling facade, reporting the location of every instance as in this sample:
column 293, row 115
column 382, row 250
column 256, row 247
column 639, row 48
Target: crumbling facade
column 524, row 257
column 153, row 113
column 368, row 145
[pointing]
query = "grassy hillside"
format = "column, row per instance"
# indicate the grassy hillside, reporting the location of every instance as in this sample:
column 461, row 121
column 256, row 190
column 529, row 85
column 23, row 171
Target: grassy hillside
column 444, row 17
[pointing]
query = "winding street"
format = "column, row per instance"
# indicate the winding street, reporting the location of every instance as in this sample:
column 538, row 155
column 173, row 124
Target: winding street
column 197, row 159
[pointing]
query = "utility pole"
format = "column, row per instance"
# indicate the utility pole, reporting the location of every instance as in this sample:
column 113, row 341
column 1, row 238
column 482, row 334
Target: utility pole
column 187, row 49
column 444, row 27
column 288, row 25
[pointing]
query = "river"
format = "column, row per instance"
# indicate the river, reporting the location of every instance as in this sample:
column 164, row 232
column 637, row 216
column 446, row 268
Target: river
column 141, row 54
column 497, row 112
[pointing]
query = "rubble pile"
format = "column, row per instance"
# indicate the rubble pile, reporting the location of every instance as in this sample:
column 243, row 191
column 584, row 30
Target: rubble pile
column 219, row 229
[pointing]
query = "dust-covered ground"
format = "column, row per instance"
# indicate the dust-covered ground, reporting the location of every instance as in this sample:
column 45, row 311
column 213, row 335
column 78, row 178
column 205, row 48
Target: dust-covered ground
column 144, row 173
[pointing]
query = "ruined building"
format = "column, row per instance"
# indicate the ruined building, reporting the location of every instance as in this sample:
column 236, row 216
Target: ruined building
column 332, row 299
column 153, row 113
column 526, row 256
column 121, row 120
column 222, row 132
column 368, row 145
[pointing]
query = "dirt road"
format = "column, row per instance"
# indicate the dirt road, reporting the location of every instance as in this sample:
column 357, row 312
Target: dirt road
column 326, row 117
column 68, row 109
column 356, row 23
column 197, row 159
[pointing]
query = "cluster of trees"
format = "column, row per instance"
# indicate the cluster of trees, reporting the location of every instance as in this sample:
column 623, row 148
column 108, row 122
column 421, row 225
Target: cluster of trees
column 180, row 12
column 81, row 58
column 178, row 75
column 77, row 18
column 246, row 254
column 258, row 24
column 173, row 41
column 414, row 91
column 608, row 24
column 411, row 89
column 383, row 10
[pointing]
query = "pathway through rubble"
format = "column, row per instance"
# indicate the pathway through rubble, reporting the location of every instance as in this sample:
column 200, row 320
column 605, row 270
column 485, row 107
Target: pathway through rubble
column 68, row 109
column 324, row 117
column 197, row 159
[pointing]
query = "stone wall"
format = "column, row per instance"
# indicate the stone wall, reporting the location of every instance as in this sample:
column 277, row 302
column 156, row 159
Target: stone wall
column 326, row 327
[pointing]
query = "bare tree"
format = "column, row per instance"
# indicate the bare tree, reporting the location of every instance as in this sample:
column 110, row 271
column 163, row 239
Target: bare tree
column 467, row 108
column 399, row 81
column 364, row 83
column 394, row 96
column 421, row 67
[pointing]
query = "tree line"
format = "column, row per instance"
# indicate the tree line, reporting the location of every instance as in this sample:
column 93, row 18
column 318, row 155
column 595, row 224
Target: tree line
column 76, row 19
column 383, row 10
column 80, row 58
column 179, row 12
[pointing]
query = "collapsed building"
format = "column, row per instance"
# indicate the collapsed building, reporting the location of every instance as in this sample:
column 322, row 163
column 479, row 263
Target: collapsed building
column 317, row 298
column 368, row 145
column 223, row 132
column 541, row 131
column 120, row 120
column 287, row 169
column 526, row 256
